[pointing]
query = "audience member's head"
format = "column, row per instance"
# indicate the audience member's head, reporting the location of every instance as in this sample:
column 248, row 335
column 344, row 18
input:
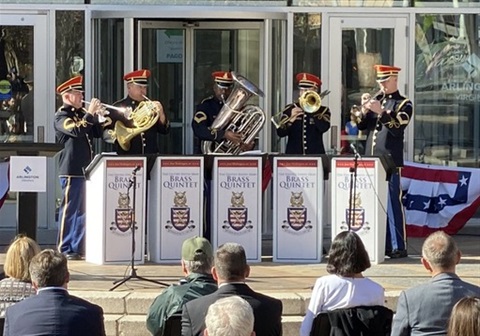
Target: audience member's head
column 440, row 253
column 465, row 318
column 19, row 254
column 49, row 269
column 230, row 316
column 347, row 255
column 230, row 263
column 197, row 256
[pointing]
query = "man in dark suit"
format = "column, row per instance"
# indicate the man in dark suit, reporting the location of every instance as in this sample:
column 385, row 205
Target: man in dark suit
column 53, row 311
column 425, row 309
column 230, row 270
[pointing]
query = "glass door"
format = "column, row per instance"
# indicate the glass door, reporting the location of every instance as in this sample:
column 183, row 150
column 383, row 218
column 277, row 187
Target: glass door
column 182, row 56
column 364, row 42
column 23, row 107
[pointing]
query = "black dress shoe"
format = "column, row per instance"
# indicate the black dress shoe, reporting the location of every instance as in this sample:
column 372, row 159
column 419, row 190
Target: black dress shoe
column 73, row 256
column 397, row 254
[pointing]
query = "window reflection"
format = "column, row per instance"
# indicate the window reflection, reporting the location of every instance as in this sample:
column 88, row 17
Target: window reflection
column 447, row 90
column 307, row 50
column 70, row 46
column 16, row 84
column 361, row 50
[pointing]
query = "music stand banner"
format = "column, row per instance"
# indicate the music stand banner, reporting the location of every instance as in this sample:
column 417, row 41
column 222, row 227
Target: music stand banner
column 175, row 206
column 110, row 210
column 369, row 206
column 297, row 209
column 237, row 203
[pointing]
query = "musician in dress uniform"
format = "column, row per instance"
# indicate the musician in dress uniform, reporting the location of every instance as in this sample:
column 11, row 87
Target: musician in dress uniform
column 205, row 114
column 304, row 130
column 209, row 108
column 385, row 120
column 146, row 141
column 75, row 127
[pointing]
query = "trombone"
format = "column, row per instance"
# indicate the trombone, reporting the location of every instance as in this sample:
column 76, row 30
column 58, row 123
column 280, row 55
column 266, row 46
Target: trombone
column 310, row 102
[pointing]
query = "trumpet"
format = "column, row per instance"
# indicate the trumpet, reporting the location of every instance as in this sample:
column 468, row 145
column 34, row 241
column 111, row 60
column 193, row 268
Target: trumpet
column 125, row 110
column 374, row 97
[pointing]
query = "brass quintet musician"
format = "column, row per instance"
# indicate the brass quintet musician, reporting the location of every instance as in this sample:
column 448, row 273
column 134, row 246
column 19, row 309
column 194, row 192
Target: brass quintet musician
column 219, row 119
column 135, row 130
column 305, row 121
column 388, row 115
column 75, row 128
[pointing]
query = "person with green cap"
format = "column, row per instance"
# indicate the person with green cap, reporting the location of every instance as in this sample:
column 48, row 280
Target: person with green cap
column 197, row 261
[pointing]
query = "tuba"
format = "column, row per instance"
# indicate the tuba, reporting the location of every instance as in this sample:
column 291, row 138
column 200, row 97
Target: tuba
column 143, row 117
column 234, row 116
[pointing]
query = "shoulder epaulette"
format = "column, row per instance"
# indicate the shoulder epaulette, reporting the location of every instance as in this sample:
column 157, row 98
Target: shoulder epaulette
column 205, row 99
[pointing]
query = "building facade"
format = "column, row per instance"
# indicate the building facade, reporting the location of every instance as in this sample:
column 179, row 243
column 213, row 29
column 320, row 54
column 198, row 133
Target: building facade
column 437, row 44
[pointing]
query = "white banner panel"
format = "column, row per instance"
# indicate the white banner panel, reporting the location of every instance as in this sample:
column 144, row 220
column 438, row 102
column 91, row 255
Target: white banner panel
column 28, row 173
column 176, row 206
column 237, row 203
column 110, row 209
column 368, row 216
column 297, row 209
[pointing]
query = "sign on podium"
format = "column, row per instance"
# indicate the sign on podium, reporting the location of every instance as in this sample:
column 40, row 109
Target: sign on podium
column 237, row 203
column 175, row 206
column 110, row 209
column 366, row 213
column 297, row 209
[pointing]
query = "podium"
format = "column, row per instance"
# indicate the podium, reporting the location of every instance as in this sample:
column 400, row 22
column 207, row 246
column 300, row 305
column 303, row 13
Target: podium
column 369, row 210
column 109, row 207
column 298, row 207
column 27, row 201
column 175, row 205
column 237, row 203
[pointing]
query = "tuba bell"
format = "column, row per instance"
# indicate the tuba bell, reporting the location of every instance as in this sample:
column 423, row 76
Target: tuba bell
column 143, row 117
column 234, row 116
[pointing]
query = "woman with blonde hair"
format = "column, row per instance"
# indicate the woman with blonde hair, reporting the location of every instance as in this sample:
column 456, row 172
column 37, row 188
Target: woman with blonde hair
column 17, row 286
column 465, row 317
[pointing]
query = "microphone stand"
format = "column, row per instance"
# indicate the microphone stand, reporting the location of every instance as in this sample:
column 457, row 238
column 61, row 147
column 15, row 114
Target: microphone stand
column 133, row 270
column 353, row 186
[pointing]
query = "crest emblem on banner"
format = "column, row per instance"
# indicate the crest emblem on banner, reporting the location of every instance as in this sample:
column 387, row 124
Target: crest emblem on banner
column 237, row 213
column 355, row 216
column 123, row 213
column 297, row 218
column 180, row 212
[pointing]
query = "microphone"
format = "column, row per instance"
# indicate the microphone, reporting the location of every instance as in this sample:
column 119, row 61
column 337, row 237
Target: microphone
column 137, row 168
column 352, row 146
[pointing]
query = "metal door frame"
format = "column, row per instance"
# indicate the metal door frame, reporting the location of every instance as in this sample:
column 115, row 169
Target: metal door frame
column 331, row 36
column 43, row 61
column 188, row 61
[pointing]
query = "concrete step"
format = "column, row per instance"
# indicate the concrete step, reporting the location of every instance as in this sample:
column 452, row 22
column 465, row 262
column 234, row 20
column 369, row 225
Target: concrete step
column 125, row 312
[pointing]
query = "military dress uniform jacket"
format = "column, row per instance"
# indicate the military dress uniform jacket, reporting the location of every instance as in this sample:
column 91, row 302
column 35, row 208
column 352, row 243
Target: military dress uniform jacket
column 385, row 131
column 205, row 114
column 305, row 135
column 144, row 143
column 75, row 129
column 174, row 297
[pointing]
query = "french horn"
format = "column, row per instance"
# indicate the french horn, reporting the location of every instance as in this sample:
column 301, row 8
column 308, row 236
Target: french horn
column 143, row 117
